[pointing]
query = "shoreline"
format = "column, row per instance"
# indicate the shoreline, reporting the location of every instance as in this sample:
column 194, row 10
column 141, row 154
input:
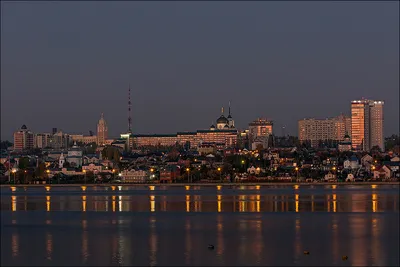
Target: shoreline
column 205, row 184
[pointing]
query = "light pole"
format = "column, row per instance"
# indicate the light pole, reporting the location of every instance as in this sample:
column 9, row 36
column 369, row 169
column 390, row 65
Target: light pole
column 113, row 174
column 84, row 173
column 188, row 171
column 48, row 178
column 25, row 176
column 297, row 171
column 151, row 175
column 220, row 174
column 334, row 172
column 14, row 171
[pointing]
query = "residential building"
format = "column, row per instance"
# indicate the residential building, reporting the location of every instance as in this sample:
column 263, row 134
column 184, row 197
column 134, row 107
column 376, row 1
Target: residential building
column 102, row 131
column 259, row 132
column 59, row 140
column 134, row 176
column 367, row 124
column 42, row 140
column 315, row 130
column 23, row 139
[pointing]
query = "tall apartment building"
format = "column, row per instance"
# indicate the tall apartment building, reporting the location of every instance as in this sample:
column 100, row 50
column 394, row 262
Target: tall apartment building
column 59, row 140
column 367, row 124
column 23, row 139
column 102, row 131
column 315, row 130
column 42, row 140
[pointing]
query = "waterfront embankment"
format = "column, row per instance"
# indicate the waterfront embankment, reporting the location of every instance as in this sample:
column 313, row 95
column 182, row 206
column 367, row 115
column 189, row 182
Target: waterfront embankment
column 204, row 184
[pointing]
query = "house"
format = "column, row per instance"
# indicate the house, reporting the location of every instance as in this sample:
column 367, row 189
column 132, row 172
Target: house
column 382, row 172
column 93, row 167
column 91, row 159
column 330, row 177
column 393, row 165
column 350, row 178
column 366, row 161
column 171, row 173
column 253, row 170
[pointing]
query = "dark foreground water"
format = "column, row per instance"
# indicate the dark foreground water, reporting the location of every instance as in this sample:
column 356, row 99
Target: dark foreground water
column 267, row 225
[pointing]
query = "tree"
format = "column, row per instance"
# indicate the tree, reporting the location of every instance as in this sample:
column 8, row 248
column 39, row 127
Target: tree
column 23, row 163
column 40, row 170
column 5, row 144
column 117, row 155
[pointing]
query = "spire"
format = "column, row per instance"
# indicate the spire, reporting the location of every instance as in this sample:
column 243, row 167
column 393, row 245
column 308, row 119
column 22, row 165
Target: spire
column 102, row 115
column 229, row 108
column 129, row 110
column 222, row 111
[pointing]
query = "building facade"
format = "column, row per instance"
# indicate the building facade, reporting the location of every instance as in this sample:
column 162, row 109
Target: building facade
column 367, row 124
column 224, row 133
column 102, row 131
column 259, row 132
column 316, row 130
column 23, row 139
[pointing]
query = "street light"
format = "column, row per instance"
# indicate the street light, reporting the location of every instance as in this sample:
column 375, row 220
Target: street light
column 188, row 171
column 334, row 170
column 297, row 170
column 220, row 174
column 25, row 176
column 14, row 171
column 48, row 178
column 84, row 173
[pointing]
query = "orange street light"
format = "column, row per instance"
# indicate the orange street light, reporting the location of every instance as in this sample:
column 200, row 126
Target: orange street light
column 152, row 170
column 48, row 171
column 297, row 168
column 334, row 168
column 219, row 169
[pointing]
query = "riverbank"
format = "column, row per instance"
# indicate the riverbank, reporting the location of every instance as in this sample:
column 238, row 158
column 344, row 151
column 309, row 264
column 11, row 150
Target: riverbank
column 205, row 184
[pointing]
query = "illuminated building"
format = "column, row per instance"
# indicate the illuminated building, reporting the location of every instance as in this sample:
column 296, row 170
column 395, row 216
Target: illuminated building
column 102, row 131
column 315, row 130
column 367, row 124
column 259, row 132
column 23, row 139
column 225, row 133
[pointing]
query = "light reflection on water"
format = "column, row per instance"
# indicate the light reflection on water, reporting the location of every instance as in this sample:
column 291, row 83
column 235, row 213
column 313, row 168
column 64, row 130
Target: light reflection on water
column 151, row 228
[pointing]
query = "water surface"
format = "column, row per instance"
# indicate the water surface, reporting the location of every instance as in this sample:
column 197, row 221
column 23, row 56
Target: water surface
column 161, row 225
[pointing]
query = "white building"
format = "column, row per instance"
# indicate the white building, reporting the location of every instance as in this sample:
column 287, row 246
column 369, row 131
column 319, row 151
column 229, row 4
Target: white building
column 133, row 176
column 75, row 156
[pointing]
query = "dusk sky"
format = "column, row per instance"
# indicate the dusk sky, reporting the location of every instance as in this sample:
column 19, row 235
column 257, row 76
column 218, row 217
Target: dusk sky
column 64, row 63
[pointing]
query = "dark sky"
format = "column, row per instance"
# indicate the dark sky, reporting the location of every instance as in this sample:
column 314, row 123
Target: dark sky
column 63, row 63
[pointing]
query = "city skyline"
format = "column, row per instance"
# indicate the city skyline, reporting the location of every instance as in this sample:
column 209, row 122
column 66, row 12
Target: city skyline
column 183, row 60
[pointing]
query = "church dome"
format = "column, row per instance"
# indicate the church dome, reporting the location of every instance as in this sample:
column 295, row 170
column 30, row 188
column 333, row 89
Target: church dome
column 226, row 126
column 212, row 126
column 229, row 116
column 24, row 127
column 222, row 119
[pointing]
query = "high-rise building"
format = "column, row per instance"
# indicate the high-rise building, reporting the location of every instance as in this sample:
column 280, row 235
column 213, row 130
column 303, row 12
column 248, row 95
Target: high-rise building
column 23, row 139
column 316, row 130
column 367, row 124
column 376, row 124
column 42, row 140
column 102, row 131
